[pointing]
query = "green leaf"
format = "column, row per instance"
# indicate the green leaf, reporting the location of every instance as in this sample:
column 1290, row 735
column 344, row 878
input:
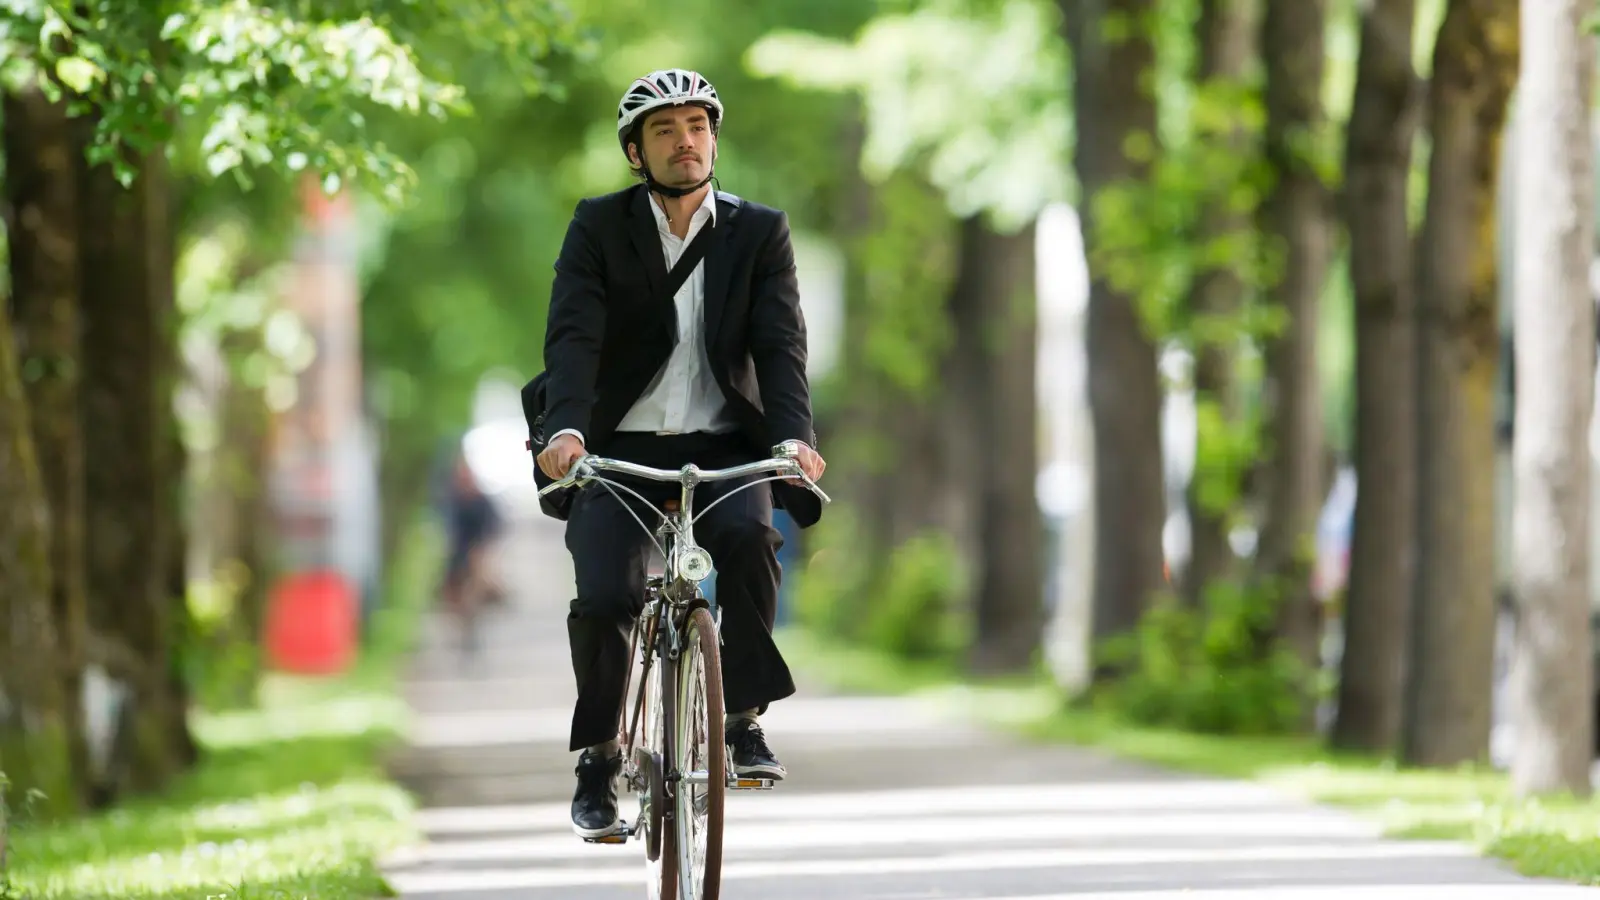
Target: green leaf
column 974, row 99
column 78, row 73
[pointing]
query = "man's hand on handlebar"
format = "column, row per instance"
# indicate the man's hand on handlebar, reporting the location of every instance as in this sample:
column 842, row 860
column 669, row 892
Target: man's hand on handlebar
column 558, row 458
column 810, row 461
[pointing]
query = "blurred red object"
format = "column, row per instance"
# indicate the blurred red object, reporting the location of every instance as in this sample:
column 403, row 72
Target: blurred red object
column 311, row 624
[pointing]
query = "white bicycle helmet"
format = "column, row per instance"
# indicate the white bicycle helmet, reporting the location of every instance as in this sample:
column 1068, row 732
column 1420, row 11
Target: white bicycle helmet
column 665, row 87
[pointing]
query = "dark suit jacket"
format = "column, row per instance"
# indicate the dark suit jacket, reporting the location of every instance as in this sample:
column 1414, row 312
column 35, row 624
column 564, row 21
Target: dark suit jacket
column 607, row 338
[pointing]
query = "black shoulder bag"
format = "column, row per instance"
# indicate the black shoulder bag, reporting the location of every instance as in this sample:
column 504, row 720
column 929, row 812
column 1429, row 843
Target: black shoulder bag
column 559, row 504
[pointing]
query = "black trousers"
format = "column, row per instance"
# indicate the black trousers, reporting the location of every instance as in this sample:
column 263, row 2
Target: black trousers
column 609, row 552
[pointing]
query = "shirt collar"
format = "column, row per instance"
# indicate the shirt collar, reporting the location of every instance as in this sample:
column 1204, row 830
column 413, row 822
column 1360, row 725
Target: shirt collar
column 707, row 209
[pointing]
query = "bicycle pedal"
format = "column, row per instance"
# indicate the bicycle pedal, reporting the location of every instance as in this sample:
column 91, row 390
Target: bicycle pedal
column 738, row 783
column 620, row 837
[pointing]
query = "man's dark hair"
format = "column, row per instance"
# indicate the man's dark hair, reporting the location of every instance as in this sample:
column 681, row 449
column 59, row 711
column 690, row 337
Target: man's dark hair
column 635, row 139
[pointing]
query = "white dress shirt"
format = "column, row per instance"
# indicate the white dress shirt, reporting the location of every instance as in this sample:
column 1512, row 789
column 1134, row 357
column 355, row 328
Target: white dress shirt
column 683, row 397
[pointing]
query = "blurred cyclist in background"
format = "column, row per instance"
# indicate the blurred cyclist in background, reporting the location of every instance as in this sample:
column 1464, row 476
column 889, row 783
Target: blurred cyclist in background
column 473, row 523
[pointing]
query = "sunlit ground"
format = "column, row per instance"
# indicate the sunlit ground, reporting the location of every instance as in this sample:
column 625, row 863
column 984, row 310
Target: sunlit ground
column 289, row 802
column 1555, row 838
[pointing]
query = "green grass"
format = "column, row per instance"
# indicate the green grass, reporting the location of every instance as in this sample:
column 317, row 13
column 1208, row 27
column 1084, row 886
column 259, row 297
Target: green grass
column 853, row 670
column 850, row 669
column 289, row 803
column 1556, row 837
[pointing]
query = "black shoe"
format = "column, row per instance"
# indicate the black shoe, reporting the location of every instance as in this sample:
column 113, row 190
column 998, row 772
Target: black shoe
column 594, row 804
column 752, row 758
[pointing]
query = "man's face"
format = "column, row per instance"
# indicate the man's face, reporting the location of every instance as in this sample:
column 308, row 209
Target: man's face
column 678, row 145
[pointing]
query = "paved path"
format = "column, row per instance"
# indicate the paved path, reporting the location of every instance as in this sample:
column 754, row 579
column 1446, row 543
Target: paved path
column 885, row 799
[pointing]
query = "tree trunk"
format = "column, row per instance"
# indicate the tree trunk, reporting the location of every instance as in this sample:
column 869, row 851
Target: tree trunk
column 923, row 477
column 1226, row 49
column 41, row 187
column 861, row 439
column 965, row 453
column 997, row 271
column 161, row 254
column 240, row 476
column 33, row 726
column 1450, row 682
column 1552, row 677
column 853, row 440
column 128, row 511
column 907, row 398
column 1383, row 122
column 1295, row 212
column 182, row 636
column 1112, row 106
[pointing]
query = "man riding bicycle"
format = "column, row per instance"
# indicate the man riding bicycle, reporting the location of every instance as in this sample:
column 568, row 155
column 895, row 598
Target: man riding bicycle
column 715, row 375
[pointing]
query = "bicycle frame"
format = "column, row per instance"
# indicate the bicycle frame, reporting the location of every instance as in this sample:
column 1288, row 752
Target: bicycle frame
column 670, row 599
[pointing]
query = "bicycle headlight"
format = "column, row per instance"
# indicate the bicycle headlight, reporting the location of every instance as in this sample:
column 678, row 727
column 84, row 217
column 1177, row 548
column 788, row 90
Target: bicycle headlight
column 694, row 564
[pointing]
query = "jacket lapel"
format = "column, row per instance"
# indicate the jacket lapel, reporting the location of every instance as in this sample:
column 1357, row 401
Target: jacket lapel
column 646, row 240
column 719, row 264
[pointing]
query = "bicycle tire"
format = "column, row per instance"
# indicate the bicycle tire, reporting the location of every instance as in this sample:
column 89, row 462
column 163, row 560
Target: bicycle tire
column 702, row 640
column 662, row 872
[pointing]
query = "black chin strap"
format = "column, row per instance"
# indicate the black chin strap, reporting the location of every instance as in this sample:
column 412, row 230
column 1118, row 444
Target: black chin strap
column 659, row 188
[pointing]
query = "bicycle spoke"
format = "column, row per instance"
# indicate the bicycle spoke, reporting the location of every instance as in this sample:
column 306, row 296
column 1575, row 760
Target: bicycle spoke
column 699, row 752
column 695, row 751
column 662, row 872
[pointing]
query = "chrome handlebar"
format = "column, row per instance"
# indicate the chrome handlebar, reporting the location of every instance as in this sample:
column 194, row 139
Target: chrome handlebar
column 782, row 463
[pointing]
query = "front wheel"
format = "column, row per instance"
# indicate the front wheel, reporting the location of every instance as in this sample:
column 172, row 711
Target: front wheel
column 661, row 867
column 702, row 761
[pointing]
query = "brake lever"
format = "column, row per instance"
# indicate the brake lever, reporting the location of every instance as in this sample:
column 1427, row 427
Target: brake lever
column 784, row 452
column 821, row 495
column 579, row 472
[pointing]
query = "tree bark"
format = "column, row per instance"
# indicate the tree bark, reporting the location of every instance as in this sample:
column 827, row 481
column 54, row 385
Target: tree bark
column 902, row 440
column 1113, row 105
column 855, row 440
column 1383, row 121
column 241, row 477
column 182, row 636
column 128, row 516
column 965, row 455
column 853, row 449
column 998, row 271
column 43, row 233
column 1226, row 30
column 1295, row 212
column 895, row 439
column 1552, row 678
column 1450, row 681
column 33, row 729
column 162, row 257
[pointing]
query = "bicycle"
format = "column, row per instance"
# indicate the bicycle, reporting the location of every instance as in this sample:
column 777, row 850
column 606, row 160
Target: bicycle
column 670, row 764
